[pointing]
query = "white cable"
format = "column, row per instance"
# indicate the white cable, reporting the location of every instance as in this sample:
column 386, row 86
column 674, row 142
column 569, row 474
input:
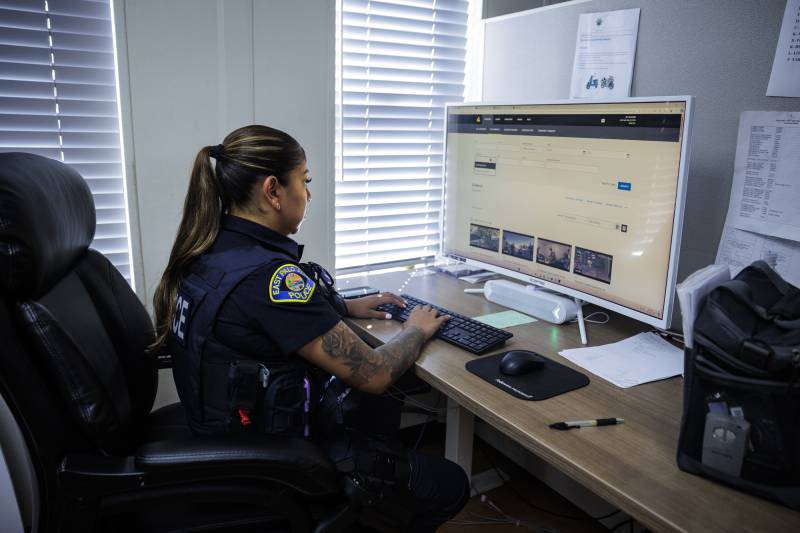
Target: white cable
column 403, row 397
column 598, row 322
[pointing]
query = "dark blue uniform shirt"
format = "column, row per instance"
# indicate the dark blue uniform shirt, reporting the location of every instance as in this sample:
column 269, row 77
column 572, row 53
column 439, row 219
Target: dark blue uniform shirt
column 250, row 321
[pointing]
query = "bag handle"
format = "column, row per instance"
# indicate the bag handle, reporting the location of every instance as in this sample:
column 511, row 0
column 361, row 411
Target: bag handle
column 783, row 286
column 741, row 291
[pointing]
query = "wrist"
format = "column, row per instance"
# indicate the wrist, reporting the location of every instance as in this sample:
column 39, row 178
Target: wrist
column 416, row 330
column 347, row 307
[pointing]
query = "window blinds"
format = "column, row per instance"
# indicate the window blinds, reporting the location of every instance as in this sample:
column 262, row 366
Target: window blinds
column 399, row 62
column 58, row 98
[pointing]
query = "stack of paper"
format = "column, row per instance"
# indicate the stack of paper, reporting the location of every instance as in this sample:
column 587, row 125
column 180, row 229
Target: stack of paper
column 639, row 359
column 693, row 290
column 763, row 219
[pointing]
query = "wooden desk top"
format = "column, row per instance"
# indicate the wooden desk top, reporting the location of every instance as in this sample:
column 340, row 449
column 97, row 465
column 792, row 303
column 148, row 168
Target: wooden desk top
column 632, row 466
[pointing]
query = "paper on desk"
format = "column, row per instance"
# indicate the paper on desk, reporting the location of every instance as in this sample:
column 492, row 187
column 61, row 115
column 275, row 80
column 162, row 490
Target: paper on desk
column 693, row 290
column 737, row 249
column 505, row 319
column 765, row 194
column 785, row 77
column 639, row 359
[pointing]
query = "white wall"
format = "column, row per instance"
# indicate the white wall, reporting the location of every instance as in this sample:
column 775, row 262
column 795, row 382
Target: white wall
column 191, row 71
column 194, row 70
column 18, row 495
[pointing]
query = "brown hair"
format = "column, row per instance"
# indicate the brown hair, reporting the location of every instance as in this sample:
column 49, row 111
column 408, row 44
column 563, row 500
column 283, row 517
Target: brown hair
column 243, row 160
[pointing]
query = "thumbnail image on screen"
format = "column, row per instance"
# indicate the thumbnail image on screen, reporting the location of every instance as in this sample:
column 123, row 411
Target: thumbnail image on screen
column 553, row 254
column 484, row 237
column 594, row 265
column 518, row 245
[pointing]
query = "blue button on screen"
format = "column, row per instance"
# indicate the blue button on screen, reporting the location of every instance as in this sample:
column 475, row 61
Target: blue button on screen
column 623, row 185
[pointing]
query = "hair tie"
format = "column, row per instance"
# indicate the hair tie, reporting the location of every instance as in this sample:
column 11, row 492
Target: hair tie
column 216, row 151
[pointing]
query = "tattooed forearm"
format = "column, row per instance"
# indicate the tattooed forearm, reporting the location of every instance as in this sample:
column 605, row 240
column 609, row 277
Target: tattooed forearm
column 402, row 350
column 366, row 364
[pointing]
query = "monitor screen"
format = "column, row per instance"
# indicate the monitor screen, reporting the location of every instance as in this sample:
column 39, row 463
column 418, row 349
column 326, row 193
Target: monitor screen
column 582, row 197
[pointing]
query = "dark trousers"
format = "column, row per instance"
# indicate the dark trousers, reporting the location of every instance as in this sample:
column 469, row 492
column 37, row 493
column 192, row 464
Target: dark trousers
column 425, row 492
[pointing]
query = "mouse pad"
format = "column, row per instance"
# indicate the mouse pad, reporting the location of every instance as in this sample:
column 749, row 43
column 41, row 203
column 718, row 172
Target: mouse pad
column 552, row 380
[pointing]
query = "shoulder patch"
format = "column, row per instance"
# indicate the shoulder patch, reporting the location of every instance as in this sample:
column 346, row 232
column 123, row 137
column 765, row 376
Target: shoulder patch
column 290, row 284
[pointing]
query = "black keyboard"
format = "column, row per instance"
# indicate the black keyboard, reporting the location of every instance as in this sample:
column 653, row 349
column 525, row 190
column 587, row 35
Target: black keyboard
column 462, row 331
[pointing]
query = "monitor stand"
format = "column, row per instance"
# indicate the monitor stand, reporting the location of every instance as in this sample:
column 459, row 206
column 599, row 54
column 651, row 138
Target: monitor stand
column 581, row 323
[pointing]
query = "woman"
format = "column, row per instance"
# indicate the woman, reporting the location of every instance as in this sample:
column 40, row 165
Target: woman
column 257, row 337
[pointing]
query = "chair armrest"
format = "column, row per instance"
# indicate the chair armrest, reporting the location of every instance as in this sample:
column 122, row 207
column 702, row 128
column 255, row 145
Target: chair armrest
column 291, row 461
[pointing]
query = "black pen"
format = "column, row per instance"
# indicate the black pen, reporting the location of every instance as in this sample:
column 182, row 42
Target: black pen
column 587, row 423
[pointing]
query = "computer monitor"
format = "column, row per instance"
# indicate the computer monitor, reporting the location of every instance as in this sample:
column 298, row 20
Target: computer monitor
column 582, row 197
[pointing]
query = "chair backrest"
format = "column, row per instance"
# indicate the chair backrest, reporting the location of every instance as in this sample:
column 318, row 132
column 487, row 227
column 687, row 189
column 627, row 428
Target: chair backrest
column 80, row 331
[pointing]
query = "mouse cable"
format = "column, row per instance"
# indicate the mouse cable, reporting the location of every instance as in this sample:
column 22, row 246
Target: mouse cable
column 400, row 396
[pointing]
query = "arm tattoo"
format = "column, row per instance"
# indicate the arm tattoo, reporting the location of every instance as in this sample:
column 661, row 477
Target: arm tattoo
column 364, row 363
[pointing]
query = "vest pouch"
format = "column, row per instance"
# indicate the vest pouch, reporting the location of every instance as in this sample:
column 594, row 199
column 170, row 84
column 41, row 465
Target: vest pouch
column 769, row 408
column 337, row 409
column 285, row 402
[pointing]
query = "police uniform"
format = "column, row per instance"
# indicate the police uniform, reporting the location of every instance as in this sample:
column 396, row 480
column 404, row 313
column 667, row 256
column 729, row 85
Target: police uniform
column 242, row 311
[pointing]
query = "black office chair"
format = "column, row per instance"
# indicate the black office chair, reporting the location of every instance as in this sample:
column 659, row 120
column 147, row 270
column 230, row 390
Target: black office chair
column 75, row 374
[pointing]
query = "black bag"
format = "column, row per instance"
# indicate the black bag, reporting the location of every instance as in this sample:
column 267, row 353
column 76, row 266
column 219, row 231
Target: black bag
column 744, row 368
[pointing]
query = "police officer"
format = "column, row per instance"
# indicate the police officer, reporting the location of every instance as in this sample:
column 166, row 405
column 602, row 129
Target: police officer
column 257, row 337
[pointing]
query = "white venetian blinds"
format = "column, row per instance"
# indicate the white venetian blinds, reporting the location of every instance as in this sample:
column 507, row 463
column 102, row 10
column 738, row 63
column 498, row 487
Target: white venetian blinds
column 399, row 62
column 58, row 98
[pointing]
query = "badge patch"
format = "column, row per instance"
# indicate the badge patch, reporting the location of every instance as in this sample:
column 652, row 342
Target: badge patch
column 290, row 284
column 294, row 282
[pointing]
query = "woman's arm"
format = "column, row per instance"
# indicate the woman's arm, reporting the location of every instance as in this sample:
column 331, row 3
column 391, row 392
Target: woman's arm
column 342, row 353
column 365, row 307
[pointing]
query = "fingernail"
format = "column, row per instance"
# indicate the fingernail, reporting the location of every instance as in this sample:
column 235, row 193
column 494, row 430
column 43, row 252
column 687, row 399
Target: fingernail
column 388, row 316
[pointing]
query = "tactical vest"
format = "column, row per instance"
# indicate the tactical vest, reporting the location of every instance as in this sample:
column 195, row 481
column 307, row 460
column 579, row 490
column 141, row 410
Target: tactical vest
column 223, row 390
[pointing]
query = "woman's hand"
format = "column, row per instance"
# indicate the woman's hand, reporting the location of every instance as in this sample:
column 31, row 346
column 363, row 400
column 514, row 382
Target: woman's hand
column 364, row 307
column 427, row 319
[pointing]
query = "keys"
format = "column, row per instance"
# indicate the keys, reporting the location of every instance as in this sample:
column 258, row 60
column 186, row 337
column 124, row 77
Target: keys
column 459, row 330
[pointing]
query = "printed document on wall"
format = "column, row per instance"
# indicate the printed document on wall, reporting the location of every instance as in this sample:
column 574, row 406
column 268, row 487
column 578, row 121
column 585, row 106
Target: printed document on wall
column 785, row 77
column 604, row 52
column 738, row 249
column 765, row 195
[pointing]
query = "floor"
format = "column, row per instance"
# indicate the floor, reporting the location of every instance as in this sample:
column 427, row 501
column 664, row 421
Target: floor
column 522, row 504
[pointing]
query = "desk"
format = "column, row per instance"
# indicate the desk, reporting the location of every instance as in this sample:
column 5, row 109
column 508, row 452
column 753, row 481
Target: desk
column 631, row 466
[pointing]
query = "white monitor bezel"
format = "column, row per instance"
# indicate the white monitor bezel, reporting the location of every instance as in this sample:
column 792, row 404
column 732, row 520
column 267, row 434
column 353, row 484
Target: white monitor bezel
column 677, row 222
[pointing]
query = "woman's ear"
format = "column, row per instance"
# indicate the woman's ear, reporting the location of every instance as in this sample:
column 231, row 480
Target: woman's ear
column 271, row 189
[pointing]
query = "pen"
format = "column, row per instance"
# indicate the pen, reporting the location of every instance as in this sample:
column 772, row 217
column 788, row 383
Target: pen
column 587, row 423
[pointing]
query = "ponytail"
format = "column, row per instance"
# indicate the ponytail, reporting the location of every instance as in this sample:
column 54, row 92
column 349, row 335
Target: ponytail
column 244, row 158
column 202, row 213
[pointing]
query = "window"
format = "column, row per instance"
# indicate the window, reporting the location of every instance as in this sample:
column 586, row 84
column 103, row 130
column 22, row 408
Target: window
column 398, row 63
column 58, row 98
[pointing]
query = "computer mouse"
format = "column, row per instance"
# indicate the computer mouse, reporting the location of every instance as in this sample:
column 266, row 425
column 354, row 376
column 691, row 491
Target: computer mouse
column 518, row 362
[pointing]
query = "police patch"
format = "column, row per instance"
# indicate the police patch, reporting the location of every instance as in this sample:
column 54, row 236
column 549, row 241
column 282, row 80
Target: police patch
column 290, row 284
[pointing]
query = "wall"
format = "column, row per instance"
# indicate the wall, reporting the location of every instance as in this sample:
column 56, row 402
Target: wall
column 495, row 8
column 718, row 50
column 191, row 71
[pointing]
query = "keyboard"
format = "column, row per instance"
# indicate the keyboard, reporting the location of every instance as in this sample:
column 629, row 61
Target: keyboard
column 462, row 331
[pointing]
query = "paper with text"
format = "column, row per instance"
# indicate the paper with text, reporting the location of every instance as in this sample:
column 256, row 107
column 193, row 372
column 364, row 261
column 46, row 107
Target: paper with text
column 785, row 77
column 604, row 52
column 765, row 195
column 737, row 249
column 639, row 359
